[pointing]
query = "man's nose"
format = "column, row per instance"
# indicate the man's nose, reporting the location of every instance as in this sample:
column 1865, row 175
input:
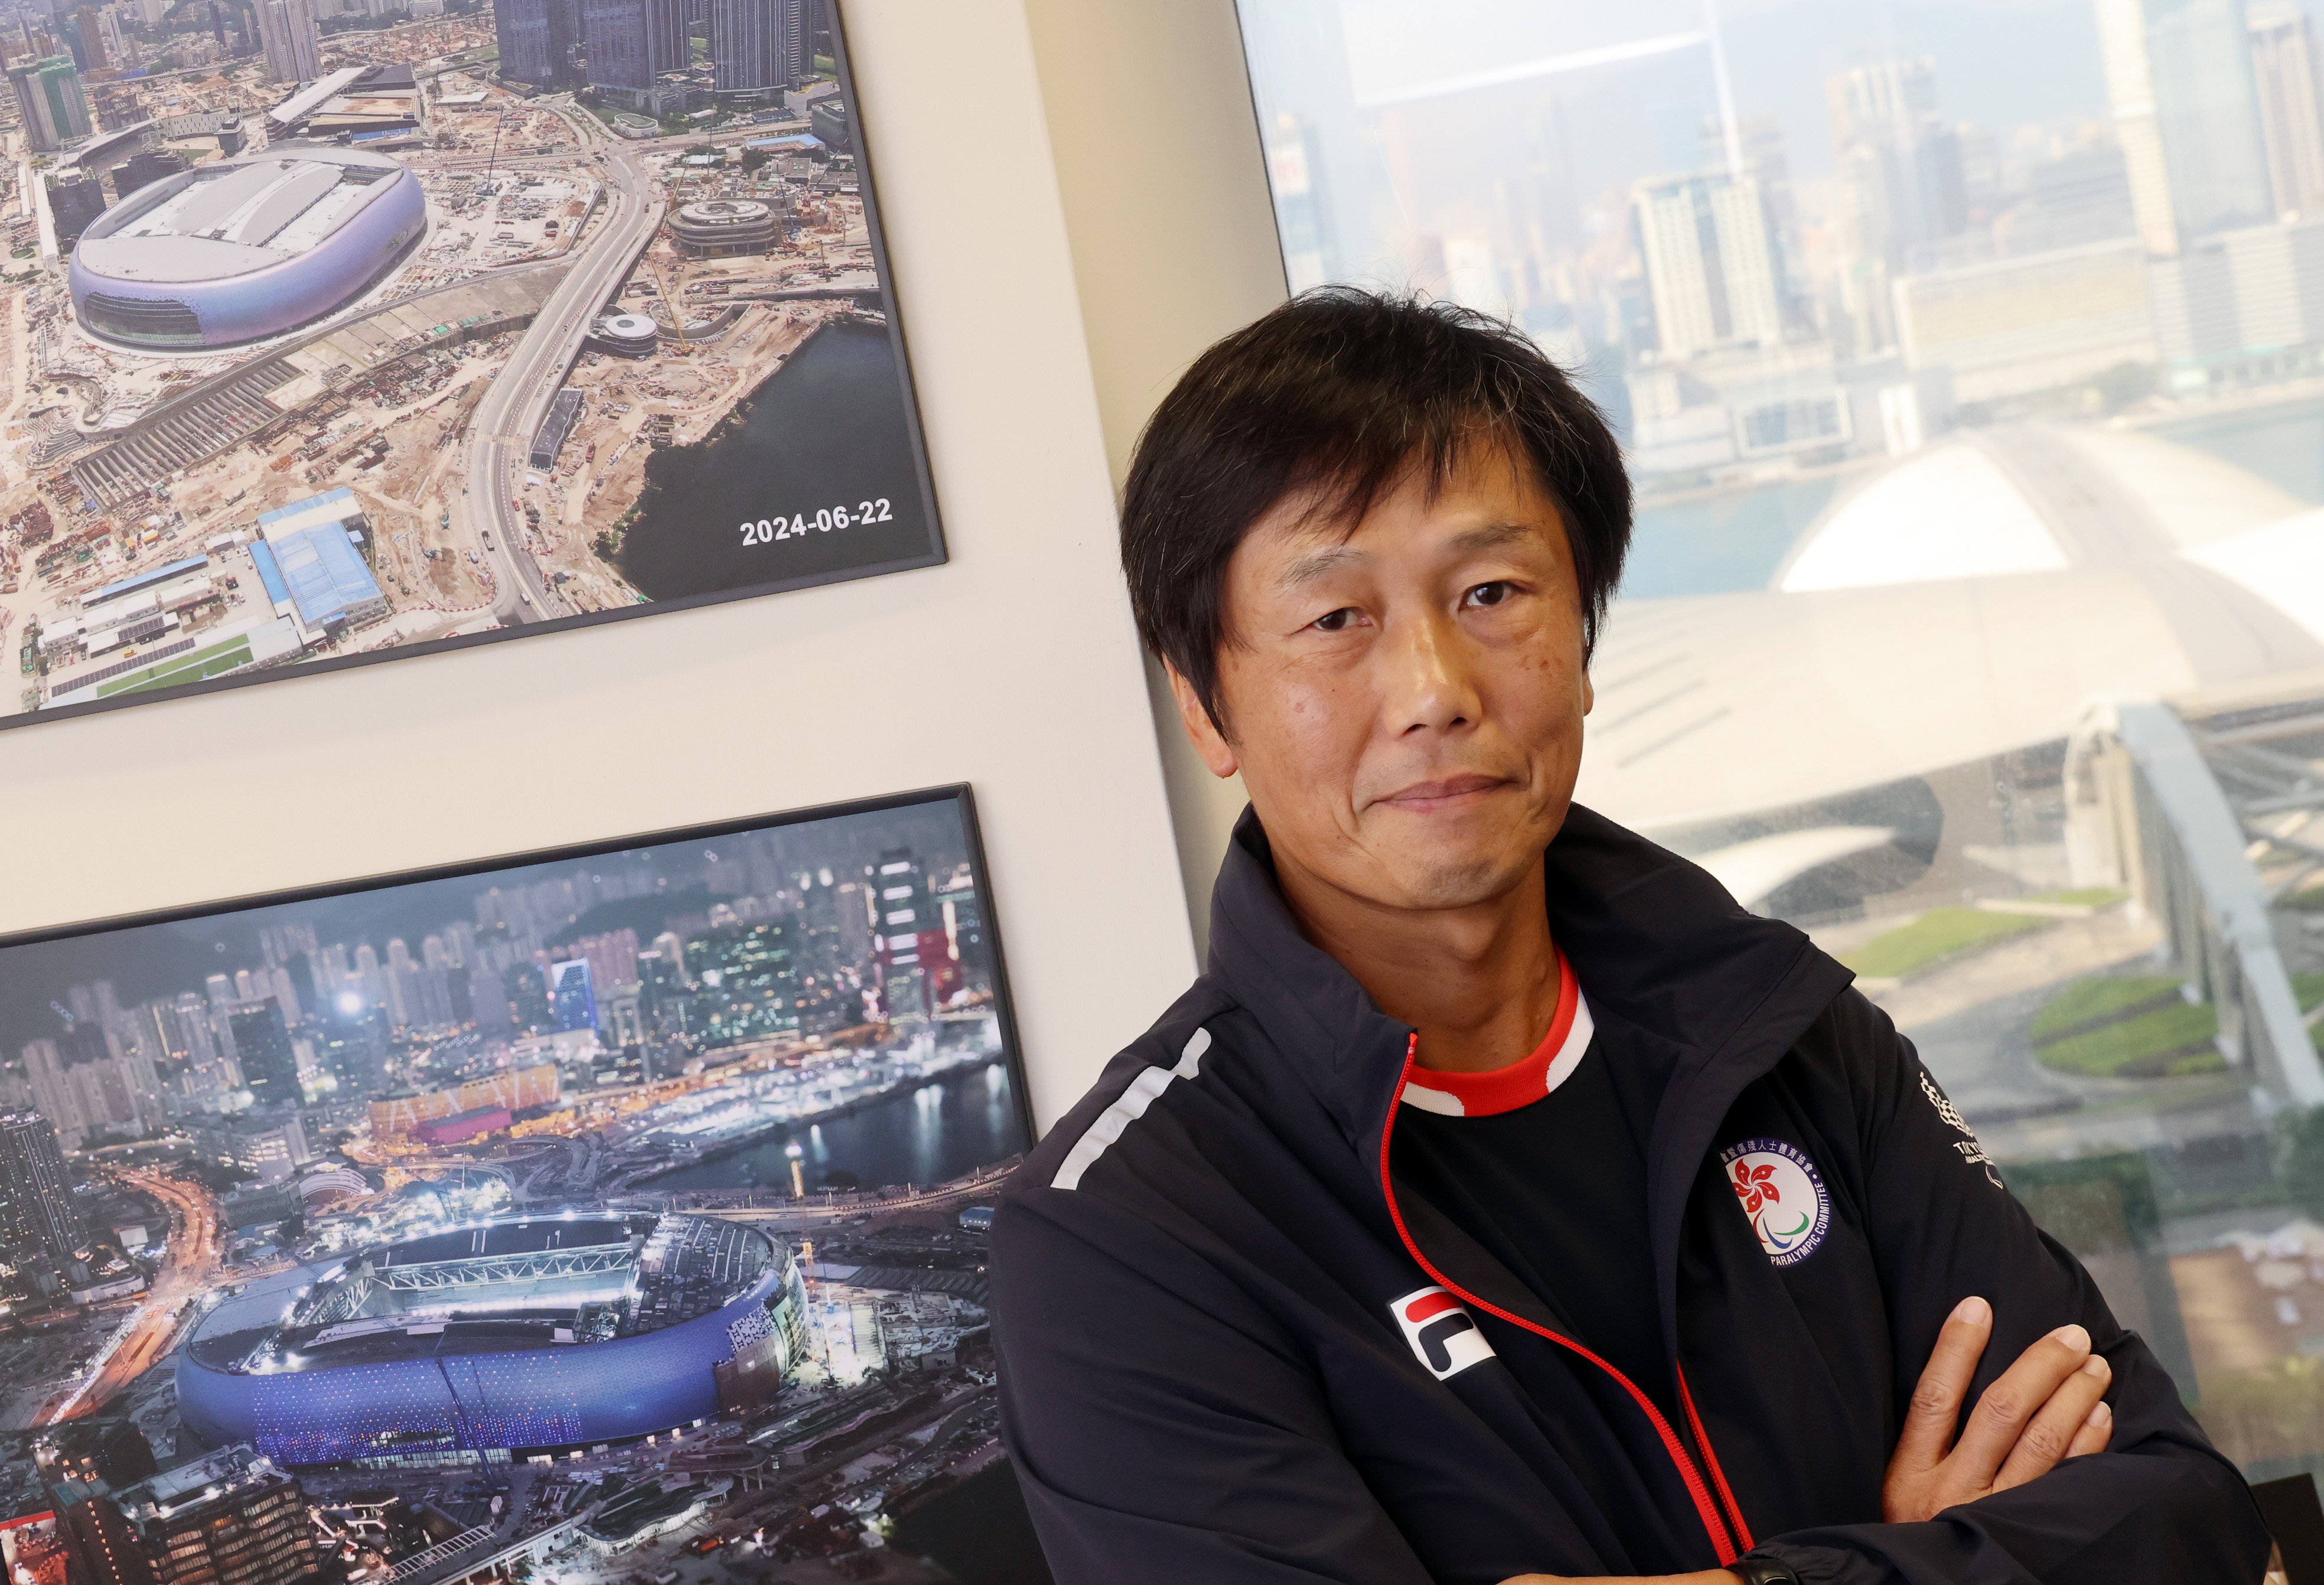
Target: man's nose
column 1429, row 686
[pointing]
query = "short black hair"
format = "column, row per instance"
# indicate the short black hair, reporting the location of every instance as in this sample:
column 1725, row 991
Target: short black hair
column 1345, row 392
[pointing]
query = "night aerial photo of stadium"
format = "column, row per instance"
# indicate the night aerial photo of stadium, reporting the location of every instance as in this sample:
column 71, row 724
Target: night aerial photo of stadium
column 582, row 1217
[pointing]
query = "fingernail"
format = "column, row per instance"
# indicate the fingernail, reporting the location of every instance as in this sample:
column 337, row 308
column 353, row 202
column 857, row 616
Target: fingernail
column 1973, row 1310
column 2074, row 1338
column 2096, row 1364
column 2099, row 1417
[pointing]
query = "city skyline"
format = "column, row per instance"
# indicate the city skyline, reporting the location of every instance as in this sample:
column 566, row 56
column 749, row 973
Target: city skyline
column 143, row 963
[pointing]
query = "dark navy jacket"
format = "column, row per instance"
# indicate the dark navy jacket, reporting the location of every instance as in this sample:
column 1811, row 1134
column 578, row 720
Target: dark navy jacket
column 1233, row 1349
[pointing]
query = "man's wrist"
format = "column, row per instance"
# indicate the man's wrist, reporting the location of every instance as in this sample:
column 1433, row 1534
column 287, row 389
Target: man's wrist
column 1757, row 1569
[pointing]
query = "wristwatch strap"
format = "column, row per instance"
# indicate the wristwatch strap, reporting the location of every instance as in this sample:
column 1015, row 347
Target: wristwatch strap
column 1763, row 1571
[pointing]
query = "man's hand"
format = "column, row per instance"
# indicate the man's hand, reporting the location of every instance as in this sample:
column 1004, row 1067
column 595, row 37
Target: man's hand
column 2045, row 1408
column 2048, row 1407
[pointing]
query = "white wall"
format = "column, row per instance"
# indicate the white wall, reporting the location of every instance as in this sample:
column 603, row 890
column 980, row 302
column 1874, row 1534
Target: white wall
column 1014, row 669
column 1174, row 243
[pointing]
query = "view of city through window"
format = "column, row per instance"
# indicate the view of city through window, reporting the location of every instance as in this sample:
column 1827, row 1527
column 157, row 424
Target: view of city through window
column 1969, row 359
column 553, row 1217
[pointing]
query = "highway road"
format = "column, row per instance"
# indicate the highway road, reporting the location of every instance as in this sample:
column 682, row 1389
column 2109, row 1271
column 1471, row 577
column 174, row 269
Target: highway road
column 501, row 432
column 189, row 1268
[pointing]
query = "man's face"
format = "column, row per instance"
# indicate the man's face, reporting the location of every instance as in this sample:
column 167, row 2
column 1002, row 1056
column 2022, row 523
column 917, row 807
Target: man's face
column 1406, row 700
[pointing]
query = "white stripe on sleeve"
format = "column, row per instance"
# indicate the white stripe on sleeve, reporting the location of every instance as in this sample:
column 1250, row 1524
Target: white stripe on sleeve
column 1111, row 1122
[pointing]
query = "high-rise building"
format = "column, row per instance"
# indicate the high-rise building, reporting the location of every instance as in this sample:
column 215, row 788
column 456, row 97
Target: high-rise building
column 632, row 44
column 231, row 1518
column 261, row 1047
column 2283, row 70
column 1900, row 165
column 1709, row 264
column 50, row 100
column 540, row 42
column 102, row 1541
column 612, row 959
column 758, row 47
column 76, row 203
column 2186, row 102
column 293, row 44
column 144, row 170
column 41, row 1209
column 92, row 39
column 572, row 1003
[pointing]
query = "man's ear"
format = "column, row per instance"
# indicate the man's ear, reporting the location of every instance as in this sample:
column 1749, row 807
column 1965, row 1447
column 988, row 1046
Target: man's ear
column 1210, row 743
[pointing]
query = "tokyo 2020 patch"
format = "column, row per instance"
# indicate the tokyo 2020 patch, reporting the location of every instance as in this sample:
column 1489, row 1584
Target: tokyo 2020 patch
column 1783, row 1194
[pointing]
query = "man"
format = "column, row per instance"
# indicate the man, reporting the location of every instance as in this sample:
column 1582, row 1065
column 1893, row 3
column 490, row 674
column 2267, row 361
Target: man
column 1504, row 1203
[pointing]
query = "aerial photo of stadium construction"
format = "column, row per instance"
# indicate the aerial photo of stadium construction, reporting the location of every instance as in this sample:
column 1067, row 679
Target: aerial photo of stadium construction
column 337, row 328
column 594, row 1219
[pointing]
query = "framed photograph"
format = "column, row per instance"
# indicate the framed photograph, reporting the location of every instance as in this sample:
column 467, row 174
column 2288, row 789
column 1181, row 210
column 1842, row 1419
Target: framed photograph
column 394, row 330
column 603, row 1208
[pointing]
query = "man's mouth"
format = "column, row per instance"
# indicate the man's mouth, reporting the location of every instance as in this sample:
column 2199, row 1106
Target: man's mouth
column 1426, row 796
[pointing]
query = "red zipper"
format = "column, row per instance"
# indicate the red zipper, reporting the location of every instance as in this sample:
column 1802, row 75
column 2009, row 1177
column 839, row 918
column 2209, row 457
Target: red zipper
column 1714, row 1523
column 1711, row 1457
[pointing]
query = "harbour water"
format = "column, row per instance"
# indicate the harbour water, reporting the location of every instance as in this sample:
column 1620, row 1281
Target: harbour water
column 830, row 432
column 941, row 1130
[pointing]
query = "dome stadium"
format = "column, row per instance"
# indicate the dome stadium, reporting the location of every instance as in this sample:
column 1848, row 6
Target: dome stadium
column 520, row 1335
column 241, row 250
column 718, row 227
column 1965, row 602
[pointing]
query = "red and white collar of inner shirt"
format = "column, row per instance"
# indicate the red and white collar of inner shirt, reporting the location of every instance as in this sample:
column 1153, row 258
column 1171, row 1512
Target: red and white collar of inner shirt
column 1521, row 1082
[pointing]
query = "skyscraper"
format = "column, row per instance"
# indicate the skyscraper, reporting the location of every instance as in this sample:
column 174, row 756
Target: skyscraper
column 2283, row 70
column 540, row 42
column 1708, row 263
column 632, row 43
column 49, row 99
column 293, row 45
column 92, row 39
column 2186, row 102
column 261, row 1045
column 39, row 1209
column 75, row 204
column 572, row 1004
column 758, row 47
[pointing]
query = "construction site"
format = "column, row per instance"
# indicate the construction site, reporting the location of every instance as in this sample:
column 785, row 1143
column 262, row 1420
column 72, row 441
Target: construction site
column 545, row 235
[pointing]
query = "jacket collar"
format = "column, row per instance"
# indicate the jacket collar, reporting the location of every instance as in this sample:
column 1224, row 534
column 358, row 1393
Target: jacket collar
column 1651, row 936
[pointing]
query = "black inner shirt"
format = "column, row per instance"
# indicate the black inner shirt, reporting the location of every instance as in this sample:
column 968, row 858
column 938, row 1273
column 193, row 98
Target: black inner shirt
column 1555, row 1189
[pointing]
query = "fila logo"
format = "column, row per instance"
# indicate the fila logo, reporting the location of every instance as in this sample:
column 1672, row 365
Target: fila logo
column 1444, row 1336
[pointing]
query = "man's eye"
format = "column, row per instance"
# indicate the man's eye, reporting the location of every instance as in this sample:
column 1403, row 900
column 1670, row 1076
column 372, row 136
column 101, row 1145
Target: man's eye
column 1332, row 621
column 1491, row 593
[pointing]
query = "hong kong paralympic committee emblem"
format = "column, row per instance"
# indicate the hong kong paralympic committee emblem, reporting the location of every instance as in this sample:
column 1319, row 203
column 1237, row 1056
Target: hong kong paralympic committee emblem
column 1783, row 1194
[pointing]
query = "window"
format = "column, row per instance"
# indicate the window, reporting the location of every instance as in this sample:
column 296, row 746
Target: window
column 1969, row 360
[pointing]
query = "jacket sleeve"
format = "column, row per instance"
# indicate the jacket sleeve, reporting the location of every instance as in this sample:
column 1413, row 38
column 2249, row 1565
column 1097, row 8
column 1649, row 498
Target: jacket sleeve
column 2160, row 1504
column 1162, row 1427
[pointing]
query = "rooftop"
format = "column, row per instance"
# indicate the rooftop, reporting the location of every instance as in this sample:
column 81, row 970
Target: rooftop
column 231, row 217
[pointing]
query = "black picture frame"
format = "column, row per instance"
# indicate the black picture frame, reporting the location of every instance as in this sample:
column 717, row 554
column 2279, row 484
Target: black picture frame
column 936, row 553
